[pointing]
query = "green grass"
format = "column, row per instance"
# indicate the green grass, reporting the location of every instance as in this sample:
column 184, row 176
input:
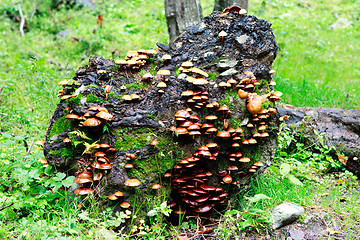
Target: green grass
column 316, row 66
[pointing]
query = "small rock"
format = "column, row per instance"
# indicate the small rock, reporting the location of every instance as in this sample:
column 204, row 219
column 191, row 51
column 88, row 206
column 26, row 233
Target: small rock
column 182, row 76
column 226, row 64
column 229, row 72
column 285, row 213
column 208, row 54
column 242, row 39
column 296, row 234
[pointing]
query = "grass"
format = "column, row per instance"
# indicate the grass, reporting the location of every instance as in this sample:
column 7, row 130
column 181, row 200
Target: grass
column 316, row 66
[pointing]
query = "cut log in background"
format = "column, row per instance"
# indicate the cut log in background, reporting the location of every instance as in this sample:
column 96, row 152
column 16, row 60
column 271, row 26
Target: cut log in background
column 118, row 113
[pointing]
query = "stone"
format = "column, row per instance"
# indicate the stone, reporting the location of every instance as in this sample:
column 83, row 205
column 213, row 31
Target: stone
column 339, row 127
column 285, row 213
column 229, row 72
column 226, row 64
column 242, row 39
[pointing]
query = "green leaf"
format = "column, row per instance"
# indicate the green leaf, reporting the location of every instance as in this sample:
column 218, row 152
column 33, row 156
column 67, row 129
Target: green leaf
column 284, row 169
column 258, row 197
column 247, row 223
column 67, row 182
column 152, row 213
column 294, row 180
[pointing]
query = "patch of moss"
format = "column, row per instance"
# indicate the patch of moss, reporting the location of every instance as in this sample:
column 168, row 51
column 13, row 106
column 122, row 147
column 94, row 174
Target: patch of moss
column 92, row 98
column 214, row 75
column 127, row 140
column 177, row 72
column 93, row 85
column 137, row 85
column 76, row 100
column 153, row 70
column 227, row 100
column 266, row 104
column 66, row 153
column 61, row 125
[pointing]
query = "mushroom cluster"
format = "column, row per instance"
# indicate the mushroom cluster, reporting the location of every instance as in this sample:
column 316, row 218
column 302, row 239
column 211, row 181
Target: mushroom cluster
column 135, row 59
column 93, row 119
column 94, row 162
column 93, row 165
column 190, row 178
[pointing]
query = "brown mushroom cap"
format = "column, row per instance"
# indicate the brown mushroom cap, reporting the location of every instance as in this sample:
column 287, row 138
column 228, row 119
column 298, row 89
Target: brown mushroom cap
column 198, row 71
column 204, row 208
column 223, row 134
column 163, row 72
column 187, row 64
column 156, row 186
column 83, row 178
column 92, row 122
column 211, row 118
column 113, row 197
column 125, row 205
column 161, row 85
column 128, row 166
column 154, row 142
column 166, row 57
column 132, row 182
column 227, row 179
column 83, row 191
column 71, row 116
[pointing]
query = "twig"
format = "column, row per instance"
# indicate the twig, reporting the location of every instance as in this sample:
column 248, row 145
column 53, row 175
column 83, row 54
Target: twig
column 1, row 88
column 29, row 150
column 22, row 22
column 6, row 206
column 2, row 208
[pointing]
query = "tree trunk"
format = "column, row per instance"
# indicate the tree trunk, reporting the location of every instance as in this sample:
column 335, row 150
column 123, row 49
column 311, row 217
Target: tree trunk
column 221, row 4
column 181, row 14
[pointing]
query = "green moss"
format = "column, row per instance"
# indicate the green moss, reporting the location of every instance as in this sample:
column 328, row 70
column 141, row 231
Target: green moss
column 126, row 140
column 153, row 70
column 66, row 153
column 177, row 72
column 137, row 85
column 214, row 75
column 93, row 85
column 92, row 98
column 61, row 125
column 76, row 100
column 266, row 104
column 227, row 100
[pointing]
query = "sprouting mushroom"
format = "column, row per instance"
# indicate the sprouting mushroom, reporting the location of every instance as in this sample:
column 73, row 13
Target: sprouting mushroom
column 222, row 35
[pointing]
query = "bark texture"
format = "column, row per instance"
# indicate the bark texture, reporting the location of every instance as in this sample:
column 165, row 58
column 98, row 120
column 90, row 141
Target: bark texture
column 181, row 14
column 221, row 4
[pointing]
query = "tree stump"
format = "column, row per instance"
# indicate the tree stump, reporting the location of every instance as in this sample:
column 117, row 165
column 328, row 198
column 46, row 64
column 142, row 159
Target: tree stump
column 109, row 116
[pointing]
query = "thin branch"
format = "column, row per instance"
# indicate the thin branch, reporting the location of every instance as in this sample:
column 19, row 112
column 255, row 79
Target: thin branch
column 6, row 206
column 29, row 150
column 22, row 22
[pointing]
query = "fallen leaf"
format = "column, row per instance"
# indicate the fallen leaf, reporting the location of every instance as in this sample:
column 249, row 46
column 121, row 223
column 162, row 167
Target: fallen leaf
column 332, row 232
column 342, row 158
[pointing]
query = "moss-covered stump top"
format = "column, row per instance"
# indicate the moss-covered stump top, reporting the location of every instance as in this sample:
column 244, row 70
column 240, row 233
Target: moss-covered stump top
column 200, row 129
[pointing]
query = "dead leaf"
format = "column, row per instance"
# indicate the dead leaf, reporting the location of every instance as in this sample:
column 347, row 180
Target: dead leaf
column 340, row 181
column 342, row 158
column 100, row 20
column 331, row 232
